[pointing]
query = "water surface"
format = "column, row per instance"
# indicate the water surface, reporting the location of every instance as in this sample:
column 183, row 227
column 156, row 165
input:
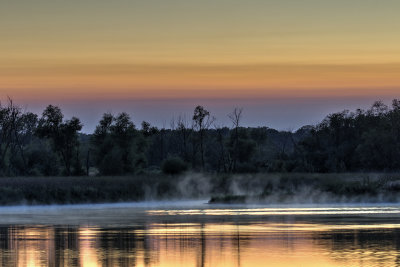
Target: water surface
column 197, row 234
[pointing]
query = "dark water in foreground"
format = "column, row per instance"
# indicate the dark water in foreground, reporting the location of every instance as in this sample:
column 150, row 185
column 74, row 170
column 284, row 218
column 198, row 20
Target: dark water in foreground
column 196, row 234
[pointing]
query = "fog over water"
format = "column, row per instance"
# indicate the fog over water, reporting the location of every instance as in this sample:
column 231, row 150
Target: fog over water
column 191, row 210
column 180, row 233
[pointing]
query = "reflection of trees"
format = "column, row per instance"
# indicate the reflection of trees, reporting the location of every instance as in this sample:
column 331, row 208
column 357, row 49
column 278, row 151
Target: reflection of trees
column 62, row 246
column 4, row 246
column 379, row 246
column 202, row 248
column 199, row 244
column 23, row 246
column 66, row 243
column 238, row 244
column 119, row 246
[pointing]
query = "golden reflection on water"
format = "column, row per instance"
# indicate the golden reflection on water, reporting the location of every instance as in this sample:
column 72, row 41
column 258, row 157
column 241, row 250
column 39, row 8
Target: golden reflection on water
column 285, row 242
column 281, row 211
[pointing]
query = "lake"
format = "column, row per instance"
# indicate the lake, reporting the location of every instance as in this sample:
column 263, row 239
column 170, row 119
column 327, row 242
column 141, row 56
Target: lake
column 196, row 234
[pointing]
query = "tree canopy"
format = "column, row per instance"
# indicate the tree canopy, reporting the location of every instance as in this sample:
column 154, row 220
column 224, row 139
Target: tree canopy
column 361, row 140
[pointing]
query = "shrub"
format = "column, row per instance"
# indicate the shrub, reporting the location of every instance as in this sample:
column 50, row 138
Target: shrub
column 174, row 165
column 112, row 163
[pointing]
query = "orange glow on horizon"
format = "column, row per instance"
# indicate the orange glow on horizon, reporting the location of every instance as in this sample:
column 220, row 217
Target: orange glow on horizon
column 190, row 81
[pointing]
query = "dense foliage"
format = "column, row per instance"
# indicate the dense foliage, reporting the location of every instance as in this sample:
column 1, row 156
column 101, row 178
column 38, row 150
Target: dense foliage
column 49, row 145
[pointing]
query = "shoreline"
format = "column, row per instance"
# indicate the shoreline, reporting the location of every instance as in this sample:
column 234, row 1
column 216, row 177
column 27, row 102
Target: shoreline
column 259, row 188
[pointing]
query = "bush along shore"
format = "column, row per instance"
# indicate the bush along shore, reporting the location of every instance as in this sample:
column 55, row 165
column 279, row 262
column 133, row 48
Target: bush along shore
column 273, row 188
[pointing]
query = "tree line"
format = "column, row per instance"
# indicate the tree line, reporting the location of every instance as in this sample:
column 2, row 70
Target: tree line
column 50, row 145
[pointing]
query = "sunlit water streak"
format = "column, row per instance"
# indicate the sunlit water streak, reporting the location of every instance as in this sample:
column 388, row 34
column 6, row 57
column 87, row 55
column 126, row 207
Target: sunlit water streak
column 170, row 234
column 280, row 211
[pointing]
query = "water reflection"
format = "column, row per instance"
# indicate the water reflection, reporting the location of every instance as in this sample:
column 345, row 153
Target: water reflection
column 201, row 244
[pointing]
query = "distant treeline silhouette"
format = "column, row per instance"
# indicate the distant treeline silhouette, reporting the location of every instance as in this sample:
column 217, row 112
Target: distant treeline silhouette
column 49, row 145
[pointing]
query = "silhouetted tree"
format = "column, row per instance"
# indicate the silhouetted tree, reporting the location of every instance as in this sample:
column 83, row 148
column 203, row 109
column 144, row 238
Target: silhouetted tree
column 114, row 145
column 363, row 140
column 13, row 128
column 235, row 118
column 202, row 121
column 184, row 132
column 63, row 135
column 222, row 157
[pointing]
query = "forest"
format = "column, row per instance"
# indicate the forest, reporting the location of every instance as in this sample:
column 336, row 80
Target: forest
column 51, row 145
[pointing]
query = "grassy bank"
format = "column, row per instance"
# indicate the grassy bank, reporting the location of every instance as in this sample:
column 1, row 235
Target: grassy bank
column 71, row 190
column 267, row 188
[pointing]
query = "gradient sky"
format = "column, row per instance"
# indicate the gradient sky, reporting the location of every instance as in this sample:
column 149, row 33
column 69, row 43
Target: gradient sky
column 287, row 62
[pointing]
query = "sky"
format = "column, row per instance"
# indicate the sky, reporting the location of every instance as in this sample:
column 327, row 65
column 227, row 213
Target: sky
column 286, row 62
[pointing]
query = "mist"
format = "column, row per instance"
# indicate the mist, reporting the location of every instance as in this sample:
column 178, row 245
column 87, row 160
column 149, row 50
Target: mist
column 292, row 188
column 289, row 188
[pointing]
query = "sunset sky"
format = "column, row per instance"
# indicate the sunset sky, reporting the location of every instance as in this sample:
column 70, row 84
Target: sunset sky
column 286, row 62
